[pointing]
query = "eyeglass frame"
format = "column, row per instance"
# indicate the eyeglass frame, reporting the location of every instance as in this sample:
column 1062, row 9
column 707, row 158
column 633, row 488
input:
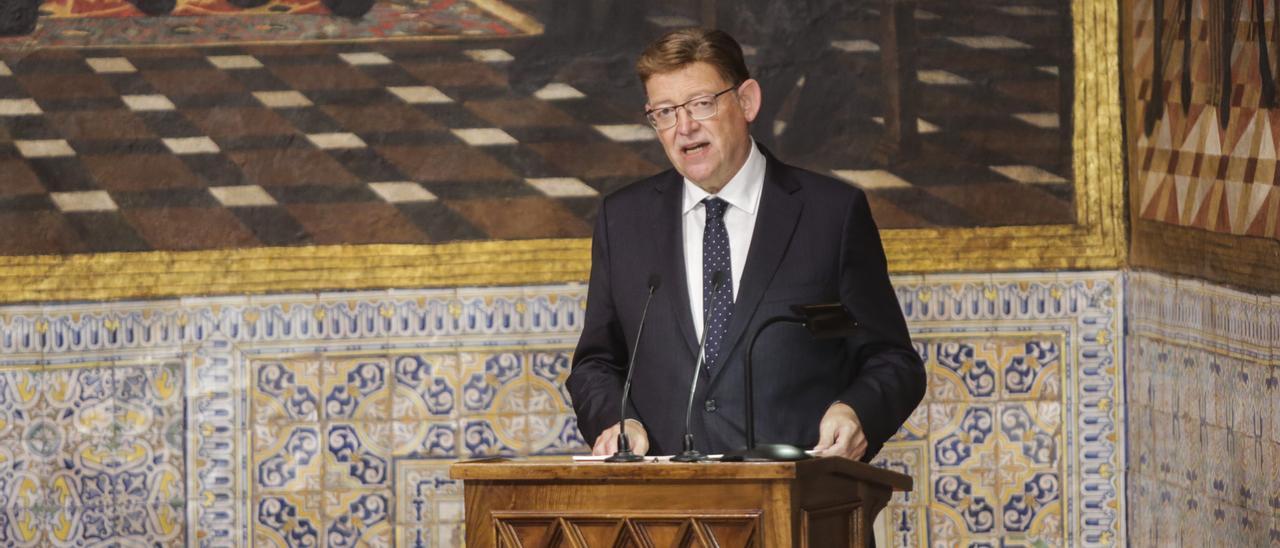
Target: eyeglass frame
column 715, row 102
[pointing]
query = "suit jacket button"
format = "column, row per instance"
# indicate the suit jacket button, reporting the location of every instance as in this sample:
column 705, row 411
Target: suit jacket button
column 710, row 406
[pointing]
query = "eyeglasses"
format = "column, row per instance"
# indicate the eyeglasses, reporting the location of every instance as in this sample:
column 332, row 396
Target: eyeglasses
column 699, row 108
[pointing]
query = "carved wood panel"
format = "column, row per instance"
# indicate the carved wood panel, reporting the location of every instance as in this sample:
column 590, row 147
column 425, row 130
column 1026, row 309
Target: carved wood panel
column 842, row 524
column 561, row 530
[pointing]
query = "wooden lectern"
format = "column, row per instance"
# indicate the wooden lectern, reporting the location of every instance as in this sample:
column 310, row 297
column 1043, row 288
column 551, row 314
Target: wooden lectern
column 812, row 503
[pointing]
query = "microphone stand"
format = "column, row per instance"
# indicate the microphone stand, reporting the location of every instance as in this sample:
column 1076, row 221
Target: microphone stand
column 689, row 454
column 823, row 321
column 624, row 452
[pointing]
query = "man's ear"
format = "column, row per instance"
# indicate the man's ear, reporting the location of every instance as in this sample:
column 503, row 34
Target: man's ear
column 749, row 99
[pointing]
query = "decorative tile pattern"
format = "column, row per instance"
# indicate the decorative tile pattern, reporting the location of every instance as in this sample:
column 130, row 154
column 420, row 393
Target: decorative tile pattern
column 1000, row 451
column 93, row 454
column 335, row 416
column 1203, row 414
column 427, row 406
column 430, row 505
column 994, row 463
column 424, row 406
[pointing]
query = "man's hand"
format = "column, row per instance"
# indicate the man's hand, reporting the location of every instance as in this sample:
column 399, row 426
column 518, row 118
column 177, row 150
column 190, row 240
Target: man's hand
column 607, row 441
column 840, row 433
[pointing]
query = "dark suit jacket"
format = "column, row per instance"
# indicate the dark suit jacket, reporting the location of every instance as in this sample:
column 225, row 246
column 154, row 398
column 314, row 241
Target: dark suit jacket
column 814, row 241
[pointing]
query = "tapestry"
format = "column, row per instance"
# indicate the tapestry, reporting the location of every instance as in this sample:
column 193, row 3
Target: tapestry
column 1205, row 110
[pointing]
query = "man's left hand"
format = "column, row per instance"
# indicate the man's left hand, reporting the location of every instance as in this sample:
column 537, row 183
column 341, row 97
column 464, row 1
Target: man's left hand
column 840, row 434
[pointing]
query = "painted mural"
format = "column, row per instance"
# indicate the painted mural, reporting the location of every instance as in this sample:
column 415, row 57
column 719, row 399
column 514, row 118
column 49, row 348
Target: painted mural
column 136, row 125
column 110, row 23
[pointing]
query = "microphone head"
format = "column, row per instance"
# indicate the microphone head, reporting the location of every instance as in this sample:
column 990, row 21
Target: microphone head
column 655, row 281
column 717, row 278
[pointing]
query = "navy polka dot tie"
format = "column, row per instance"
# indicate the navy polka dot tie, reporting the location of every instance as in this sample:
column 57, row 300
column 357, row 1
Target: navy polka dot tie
column 716, row 309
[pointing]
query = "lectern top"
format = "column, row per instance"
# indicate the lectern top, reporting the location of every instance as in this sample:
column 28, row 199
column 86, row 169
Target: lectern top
column 566, row 469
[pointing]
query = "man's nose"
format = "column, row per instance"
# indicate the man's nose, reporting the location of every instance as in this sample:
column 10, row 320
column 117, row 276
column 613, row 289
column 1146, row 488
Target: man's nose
column 684, row 121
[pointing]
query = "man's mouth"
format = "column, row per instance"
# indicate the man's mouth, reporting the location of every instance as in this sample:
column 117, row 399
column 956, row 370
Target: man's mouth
column 694, row 148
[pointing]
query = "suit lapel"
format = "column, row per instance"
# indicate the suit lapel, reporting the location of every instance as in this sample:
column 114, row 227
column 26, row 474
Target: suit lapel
column 775, row 223
column 668, row 229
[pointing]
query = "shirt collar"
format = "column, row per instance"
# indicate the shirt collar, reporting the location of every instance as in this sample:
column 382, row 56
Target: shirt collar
column 742, row 191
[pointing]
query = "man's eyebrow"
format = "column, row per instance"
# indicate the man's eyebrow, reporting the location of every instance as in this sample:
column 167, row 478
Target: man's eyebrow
column 687, row 99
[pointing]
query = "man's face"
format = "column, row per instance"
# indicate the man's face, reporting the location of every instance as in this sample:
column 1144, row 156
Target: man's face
column 708, row 152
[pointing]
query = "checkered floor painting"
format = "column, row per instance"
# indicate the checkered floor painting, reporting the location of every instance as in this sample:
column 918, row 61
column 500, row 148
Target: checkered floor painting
column 402, row 142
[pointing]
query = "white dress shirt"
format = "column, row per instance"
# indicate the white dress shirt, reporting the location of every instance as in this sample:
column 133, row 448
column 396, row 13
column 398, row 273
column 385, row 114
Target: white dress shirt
column 742, row 192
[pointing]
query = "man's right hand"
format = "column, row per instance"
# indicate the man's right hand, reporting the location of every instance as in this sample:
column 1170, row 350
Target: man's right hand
column 607, row 441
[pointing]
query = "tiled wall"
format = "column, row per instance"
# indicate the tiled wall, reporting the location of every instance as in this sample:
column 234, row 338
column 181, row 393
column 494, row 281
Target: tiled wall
column 1203, row 414
column 331, row 419
column 312, row 420
column 1018, row 439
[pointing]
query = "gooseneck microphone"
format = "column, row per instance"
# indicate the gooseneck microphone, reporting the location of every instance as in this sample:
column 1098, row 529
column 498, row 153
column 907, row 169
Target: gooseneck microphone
column 689, row 454
column 824, row 321
column 624, row 452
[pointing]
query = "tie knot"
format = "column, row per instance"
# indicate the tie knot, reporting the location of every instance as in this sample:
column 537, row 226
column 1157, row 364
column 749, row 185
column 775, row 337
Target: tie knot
column 715, row 207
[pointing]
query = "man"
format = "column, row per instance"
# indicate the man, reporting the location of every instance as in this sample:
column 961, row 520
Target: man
column 778, row 236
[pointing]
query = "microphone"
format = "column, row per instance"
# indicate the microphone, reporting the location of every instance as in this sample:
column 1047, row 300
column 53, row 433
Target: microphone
column 824, row 321
column 624, row 453
column 690, row 454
